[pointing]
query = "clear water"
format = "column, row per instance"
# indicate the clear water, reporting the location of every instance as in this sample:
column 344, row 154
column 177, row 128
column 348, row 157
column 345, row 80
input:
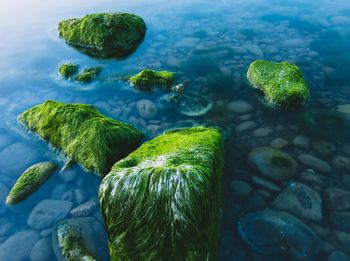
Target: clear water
column 210, row 43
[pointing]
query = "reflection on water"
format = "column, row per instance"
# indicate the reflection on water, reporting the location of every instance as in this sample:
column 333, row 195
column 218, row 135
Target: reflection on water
column 211, row 45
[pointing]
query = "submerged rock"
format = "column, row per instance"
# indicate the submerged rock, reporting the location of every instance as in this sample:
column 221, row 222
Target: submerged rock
column 42, row 250
column 18, row 246
column 188, row 105
column 282, row 83
column 30, row 181
column 147, row 79
column 79, row 239
column 9, row 158
column 105, row 34
column 300, row 200
column 172, row 184
column 315, row 163
column 239, row 107
column 67, row 70
column 146, row 109
column 338, row 256
column 327, row 124
column 47, row 212
column 341, row 220
column 323, row 148
column 273, row 163
column 270, row 232
column 337, row 198
column 88, row 74
column 82, row 133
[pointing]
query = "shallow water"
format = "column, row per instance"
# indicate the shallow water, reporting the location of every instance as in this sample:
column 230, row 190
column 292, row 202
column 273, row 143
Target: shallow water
column 210, row 44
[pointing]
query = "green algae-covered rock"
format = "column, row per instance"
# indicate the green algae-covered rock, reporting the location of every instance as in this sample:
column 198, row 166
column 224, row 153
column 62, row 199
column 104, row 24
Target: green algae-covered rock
column 67, row 70
column 70, row 242
column 30, row 181
column 282, row 83
column 82, row 133
column 105, row 34
column 162, row 202
column 88, row 74
column 147, row 79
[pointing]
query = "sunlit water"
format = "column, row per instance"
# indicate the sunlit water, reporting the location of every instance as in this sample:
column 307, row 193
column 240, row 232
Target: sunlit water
column 209, row 43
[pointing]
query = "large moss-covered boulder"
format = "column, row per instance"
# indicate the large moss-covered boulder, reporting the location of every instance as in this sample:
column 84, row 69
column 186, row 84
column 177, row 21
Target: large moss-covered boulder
column 162, row 202
column 147, row 79
column 105, row 34
column 30, row 181
column 282, row 84
column 82, row 133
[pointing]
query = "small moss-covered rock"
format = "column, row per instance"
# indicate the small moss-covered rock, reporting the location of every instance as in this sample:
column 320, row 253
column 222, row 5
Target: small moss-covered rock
column 79, row 239
column 88, row 74
column 67, row 70
column 282, row 84
column 82, row 133
column 147, row 79
column 105, row 34
column 162, row 202
column 30, row 181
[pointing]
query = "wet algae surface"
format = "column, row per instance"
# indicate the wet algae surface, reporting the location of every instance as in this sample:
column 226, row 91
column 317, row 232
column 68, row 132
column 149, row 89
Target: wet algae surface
column 284, row 189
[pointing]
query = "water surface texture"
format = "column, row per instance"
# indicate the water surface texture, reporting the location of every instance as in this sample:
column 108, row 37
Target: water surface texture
column 211, row 44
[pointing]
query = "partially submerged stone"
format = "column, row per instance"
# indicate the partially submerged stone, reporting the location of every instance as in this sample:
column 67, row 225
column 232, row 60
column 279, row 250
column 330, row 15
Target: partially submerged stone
column 282, row 84
column 88, row 74
column 147, row 79
column 162, row 202
column 105, row 34
column 30, row 181
column 71, row 236
column 82, row 133
column 67, row 70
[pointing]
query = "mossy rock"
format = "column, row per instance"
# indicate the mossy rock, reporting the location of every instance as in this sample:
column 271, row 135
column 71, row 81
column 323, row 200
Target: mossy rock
column 30, row 181
column 105, row 34
column 282, row 84
column 88, row 74
column 67, row 70
column 82, row 133
column 147, row 79
column 162, row 202
column 72, row 238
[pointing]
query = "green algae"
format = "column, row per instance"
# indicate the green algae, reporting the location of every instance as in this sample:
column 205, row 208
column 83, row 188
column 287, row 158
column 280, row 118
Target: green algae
column 162, row 202
column 88, row 74
column 70, row 243
column 67, row 70
column 105, row 34
column 82, row 133
column 147, row 79
column 282, row 84
column 30, row 181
